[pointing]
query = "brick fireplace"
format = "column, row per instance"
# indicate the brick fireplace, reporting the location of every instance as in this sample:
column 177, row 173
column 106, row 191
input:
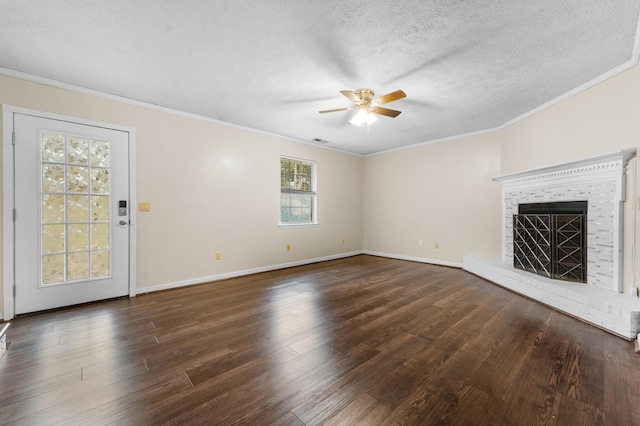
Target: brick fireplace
column 600, row 182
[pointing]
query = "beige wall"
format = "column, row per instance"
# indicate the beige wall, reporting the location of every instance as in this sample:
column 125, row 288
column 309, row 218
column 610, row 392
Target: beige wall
column 600, row 120
column 438, row 193
column 213, row 188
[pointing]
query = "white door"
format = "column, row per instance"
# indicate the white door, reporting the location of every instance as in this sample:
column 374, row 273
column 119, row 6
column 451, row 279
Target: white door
column 71, row 236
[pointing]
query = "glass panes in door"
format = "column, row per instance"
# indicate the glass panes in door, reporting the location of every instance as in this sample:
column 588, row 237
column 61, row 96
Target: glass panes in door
column 75, row 190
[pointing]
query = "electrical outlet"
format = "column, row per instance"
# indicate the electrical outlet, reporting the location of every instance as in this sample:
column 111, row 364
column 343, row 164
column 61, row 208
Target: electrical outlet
column 288, row 247
column 419, row 243
column 218, row 255
column 436, row 246
column 343, row 241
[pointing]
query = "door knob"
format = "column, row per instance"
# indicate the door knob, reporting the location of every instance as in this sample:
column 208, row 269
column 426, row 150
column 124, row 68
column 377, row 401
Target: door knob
column 123, row 222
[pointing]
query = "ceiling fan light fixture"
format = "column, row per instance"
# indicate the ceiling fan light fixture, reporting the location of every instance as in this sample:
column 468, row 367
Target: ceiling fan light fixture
column 367, row 107
column 363, row 118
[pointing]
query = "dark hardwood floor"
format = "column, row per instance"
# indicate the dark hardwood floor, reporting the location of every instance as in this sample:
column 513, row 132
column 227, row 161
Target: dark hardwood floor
column 362, row 340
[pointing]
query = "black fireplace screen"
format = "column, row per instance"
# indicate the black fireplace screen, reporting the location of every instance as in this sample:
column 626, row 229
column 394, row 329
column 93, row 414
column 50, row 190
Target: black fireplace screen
column 551, row 245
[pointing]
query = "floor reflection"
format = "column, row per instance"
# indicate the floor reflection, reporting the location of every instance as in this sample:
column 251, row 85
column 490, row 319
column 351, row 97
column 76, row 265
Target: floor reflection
column 296, row 322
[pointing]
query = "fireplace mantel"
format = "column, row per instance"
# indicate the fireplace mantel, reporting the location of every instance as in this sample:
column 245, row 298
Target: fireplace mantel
column 586, row 170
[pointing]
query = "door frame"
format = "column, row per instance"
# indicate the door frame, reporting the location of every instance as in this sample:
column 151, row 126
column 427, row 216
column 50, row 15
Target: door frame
column 8, row 186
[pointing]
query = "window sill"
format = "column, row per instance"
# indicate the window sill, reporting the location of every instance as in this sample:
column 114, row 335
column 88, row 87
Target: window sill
column 298, row 225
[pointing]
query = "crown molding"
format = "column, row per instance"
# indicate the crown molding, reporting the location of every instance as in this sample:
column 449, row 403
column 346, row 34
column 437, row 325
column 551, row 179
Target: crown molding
column 614, row 162
column 134, row 102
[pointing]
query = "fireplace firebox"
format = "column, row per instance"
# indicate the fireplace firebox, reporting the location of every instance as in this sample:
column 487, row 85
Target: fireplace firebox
column 550, row 239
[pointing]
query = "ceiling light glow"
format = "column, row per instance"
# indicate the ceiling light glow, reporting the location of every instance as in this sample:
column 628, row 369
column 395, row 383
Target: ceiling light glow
column 363, row 118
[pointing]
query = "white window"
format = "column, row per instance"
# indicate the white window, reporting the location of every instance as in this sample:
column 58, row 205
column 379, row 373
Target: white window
column 297, row 191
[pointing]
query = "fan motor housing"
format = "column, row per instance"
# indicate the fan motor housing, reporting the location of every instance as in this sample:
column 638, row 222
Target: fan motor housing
column 365, row 94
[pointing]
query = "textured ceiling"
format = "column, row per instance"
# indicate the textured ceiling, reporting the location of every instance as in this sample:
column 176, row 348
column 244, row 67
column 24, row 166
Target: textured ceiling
column 271, row 65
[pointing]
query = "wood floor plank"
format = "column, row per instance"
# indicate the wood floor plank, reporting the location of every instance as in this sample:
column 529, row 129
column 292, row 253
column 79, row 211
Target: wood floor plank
column 325, row 404
column 32, row 386
column 502, row 367
column 57, row 405
column 472, row 406
column 305, row 377
column 620, row 351
column 420, row 407
column 396, row 386
column 570, row 411
column 360, row 340
column 365, row 410
column 119, row 404
column 441, row 323
column 621, row 395
column 288, row 419
column 583, row 376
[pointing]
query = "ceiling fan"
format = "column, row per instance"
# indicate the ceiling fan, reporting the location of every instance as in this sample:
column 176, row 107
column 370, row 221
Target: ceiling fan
column 367, row 106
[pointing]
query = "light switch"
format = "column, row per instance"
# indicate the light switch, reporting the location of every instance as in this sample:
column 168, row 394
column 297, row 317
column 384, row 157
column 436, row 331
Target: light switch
column 144, row 207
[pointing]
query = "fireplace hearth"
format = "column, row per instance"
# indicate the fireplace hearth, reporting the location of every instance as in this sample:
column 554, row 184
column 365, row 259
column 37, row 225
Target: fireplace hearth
column 549, row 239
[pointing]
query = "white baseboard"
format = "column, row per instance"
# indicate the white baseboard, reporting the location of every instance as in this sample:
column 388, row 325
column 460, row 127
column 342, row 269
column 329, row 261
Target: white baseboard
column 415, row 259
column 201, row 280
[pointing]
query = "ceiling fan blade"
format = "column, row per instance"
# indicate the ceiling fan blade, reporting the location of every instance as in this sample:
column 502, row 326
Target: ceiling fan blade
column 351, row 95
column 335, row 110
column 386, row 111
column 389, row 97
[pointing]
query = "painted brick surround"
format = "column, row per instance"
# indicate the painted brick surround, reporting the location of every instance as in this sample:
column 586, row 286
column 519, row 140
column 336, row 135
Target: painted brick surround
column 601, row 182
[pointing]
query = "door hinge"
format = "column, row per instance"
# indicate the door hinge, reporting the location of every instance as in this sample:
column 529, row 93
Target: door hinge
column 13, row 215
column 14, row 291
column 13, row 138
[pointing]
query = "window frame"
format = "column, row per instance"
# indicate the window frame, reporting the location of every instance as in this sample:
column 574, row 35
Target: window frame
column 313, row 193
